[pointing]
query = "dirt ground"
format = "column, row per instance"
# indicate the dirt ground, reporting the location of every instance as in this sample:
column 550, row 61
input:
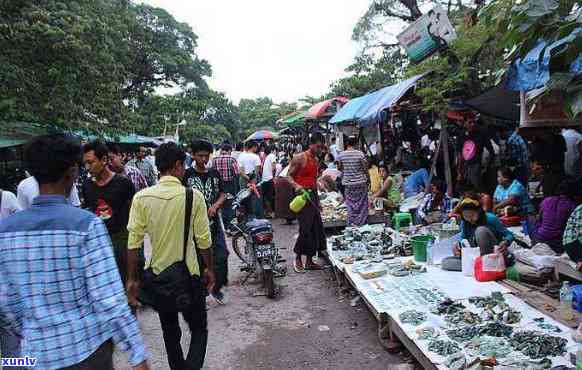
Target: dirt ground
column 309, row 326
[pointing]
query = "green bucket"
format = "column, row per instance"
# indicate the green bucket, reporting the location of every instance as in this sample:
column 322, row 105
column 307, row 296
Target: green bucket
column 419, row 243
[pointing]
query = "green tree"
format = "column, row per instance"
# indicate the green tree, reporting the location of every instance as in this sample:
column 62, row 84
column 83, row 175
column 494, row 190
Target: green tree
column 462, row 70
column 90, row 62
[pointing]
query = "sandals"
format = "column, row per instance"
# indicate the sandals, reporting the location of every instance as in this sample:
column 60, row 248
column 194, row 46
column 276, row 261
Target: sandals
column 298, row 268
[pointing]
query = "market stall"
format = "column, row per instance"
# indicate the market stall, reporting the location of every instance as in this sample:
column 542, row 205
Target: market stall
column 445, row 319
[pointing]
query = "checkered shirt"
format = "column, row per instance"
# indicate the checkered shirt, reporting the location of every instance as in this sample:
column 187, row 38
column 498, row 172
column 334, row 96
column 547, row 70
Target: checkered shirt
column 138, row 180
column 517, row 151
column 147, row 170
column 61, row 291
column 226, row 167
column 573, row 230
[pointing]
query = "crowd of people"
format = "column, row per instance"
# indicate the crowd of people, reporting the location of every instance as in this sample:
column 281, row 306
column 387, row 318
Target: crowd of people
column 72, row 239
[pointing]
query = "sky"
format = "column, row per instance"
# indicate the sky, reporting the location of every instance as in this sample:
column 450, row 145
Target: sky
column 281, row 49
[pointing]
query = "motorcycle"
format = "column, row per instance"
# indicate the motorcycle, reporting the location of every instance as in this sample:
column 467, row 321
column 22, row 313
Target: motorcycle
column 259, row 254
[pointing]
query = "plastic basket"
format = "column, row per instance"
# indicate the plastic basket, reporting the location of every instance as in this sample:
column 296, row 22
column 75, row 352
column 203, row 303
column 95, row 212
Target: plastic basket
column 419, row 243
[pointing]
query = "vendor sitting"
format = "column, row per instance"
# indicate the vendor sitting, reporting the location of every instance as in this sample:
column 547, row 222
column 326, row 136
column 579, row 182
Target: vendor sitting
column 482, row 229
column 389, row 191
column 417, row 181
column 328, row 180
column 436, row 205
column 510, row 197
column 553, row 216
column 573, row 237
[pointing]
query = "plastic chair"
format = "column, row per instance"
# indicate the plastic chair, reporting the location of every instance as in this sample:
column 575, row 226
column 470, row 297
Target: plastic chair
column 401, row 220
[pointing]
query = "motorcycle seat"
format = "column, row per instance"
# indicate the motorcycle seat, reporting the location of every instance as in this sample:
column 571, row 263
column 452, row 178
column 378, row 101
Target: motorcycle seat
column 258, row 225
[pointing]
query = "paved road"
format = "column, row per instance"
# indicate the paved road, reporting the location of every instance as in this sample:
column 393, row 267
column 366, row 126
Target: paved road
column 309, row 327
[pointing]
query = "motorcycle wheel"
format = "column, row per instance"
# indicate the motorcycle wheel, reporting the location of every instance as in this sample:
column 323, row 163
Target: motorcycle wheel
column 269, row 280
column 240, row 250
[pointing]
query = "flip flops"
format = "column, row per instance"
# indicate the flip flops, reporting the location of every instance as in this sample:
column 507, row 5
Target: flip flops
column 298, row 268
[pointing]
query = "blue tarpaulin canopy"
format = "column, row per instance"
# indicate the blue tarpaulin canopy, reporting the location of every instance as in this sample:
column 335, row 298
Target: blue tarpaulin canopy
column 533, row 70
column 367, row 110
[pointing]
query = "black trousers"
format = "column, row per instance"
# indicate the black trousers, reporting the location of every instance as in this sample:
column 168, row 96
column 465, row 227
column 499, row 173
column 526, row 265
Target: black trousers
column 195, row 317
column 311, row 239
column 101, row 359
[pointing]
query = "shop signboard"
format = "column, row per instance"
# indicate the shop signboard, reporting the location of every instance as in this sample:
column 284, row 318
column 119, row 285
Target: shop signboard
column 427, row 35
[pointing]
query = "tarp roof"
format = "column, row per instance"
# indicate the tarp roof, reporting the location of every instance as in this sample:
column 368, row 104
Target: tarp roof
column 325, row 108
column 293, row 119
column 497, row 102
column 533, row 70
column 367, row 109
column 8, row 142
column 135, row 139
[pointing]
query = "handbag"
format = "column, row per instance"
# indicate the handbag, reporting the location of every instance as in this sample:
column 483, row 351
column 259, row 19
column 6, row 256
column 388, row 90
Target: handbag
column 171, row 290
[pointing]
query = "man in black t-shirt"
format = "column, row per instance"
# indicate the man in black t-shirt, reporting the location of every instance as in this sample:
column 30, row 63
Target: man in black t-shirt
column 209, row 183
column 109, row 196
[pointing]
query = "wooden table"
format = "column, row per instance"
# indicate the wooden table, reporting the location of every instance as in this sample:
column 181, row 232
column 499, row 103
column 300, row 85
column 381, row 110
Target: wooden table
column 541, row 302
column 563, row 268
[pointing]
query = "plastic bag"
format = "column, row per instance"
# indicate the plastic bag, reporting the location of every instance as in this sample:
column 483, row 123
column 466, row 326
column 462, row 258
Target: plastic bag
column 468, row 257
column 490, row 267
column 493, row 262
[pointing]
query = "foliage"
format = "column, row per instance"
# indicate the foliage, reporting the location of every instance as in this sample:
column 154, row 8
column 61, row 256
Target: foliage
column 369, row 74
column 90, row 61
column 525, row 24
column 261, row 113
column 463, row 70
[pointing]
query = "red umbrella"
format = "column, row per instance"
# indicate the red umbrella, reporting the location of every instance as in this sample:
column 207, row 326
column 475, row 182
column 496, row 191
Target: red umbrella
column 326, row 108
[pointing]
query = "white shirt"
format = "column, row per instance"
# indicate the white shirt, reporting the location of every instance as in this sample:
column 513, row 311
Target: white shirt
column 248, row 162
column 28, row 190
column 333, row 150
column 374, row 149
column 9, row 204
column 268, row 167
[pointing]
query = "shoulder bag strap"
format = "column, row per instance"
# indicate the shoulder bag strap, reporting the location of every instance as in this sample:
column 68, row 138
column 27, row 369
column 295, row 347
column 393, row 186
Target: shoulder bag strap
column 187, row 218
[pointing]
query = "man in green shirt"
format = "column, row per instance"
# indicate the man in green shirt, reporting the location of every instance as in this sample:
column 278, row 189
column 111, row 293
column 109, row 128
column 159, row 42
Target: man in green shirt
column 159, row 211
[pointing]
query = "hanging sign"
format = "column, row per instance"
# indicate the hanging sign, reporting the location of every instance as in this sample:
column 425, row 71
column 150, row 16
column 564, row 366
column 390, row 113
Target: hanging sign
column 427, row 35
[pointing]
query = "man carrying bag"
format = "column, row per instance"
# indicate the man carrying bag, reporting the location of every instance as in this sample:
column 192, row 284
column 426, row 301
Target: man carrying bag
column 177, row 223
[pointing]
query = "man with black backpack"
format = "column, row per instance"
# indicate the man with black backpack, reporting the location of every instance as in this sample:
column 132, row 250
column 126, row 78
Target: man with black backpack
column 176, row 220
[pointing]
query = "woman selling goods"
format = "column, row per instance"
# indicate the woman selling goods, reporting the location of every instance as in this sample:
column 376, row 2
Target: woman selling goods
column 389, row 192
column 436, row 205
column 553, row 216
column 328, row 179
column 355, row 178
column 481, row 229
column 511, row 197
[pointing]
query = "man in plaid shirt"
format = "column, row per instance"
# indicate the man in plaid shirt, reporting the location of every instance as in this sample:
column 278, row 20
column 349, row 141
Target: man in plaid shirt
column 116, row 165
column 60, row 290
column 227, row 167
column 572, row 239
column 517, row 154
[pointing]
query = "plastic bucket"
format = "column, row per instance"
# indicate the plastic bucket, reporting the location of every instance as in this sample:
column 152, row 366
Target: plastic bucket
column 419, row 243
